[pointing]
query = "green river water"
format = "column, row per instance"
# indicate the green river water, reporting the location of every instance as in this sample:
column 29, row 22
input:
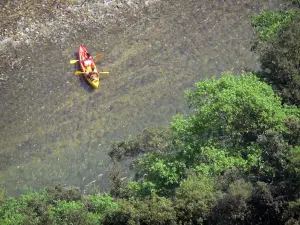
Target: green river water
column 55, row 128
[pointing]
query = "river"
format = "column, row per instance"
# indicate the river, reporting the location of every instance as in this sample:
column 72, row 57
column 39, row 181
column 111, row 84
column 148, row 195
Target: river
column 56, row 129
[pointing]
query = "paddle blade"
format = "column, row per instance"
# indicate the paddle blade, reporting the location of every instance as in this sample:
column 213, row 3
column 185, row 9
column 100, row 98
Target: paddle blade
column 73, row 61
column 99, row 55
column 78, row 72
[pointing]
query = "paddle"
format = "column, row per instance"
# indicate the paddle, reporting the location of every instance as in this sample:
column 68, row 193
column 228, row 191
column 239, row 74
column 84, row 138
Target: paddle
column 76, row 60
column 79, row 72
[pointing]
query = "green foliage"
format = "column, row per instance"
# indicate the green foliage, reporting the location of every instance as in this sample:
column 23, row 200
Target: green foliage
column 238, row 123
column 115, row 180
column 291, row 175
column 194, row 199
column 223, row 181
column 280, row 61
column 60, row 192
column 296, row 2
column 2, row 196
column 152, row 139
column 140, row 189
column 294, row 165
column 235, row 109
column 292, row 214
column 239, row 129
column 240, row 189
column 100, row 203
column 265, row 208
column 233, row 207
column 293, row 134
column 232, row 115
column 11, row 212
column 37, row 208
column 30, row 208
column 149, row 211
column 209, row 163
column 210, row 160
column 275, row 155
column 162, row 170
column 267, row 24
column 68, row 213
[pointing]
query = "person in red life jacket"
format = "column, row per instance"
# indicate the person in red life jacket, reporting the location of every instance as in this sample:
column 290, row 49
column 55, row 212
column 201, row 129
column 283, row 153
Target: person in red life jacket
column 89, row 62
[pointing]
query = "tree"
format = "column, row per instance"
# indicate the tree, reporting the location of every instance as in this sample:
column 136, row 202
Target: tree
column 149, row 211
column 194, row 199
column 266, row 209
column 280, row 59
column 161, row 171
column 267, row 24
column 29, row 208
column 231, row 115
column 233, row 207
column 292, row 214
column 291, row 180
column 238, row 122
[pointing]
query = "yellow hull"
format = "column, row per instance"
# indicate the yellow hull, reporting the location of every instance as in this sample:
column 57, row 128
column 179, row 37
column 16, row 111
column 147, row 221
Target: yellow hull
column 93, row 83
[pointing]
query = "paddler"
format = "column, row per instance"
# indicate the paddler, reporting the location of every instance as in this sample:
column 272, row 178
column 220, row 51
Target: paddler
column 89, row 62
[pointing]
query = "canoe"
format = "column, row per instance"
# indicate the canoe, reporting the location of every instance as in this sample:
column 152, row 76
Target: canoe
column 82, row 55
